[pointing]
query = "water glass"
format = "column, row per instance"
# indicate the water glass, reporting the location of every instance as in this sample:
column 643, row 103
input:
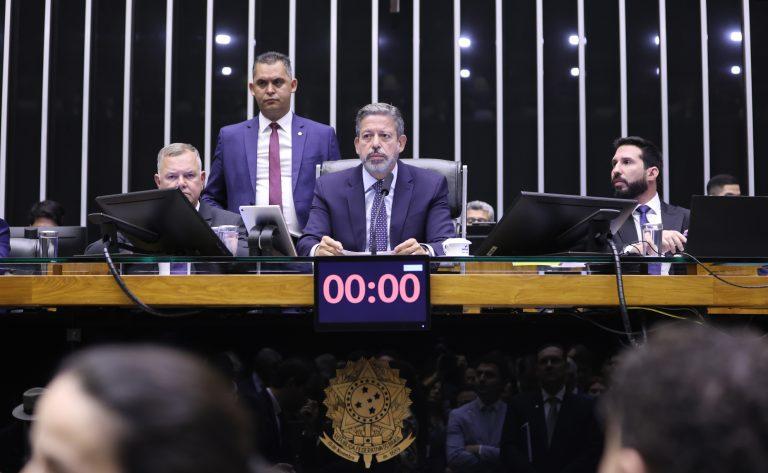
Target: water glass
column 652, row 239
column 47, row 244
column 228, row 234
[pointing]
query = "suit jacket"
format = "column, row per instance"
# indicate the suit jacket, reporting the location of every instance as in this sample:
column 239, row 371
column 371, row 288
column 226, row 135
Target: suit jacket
column 576, row 444
column 5, row 239
column 672, row 218
column 232, row 180
column 273, row 443
column 419, row 210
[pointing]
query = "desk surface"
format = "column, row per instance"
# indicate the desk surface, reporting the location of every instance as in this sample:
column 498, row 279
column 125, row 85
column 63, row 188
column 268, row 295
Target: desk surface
column 286, row 290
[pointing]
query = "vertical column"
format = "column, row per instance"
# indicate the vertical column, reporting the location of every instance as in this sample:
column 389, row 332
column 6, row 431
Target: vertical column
column 208, row 81
column 374, row 51
column 292, row 43
column 705, row 90
column 168, row 70
column 540, row 90
column 456, row 81
column 499, row 111
column 664, row 72
column 582, row 102
column 4, row 105
column 86, row 112
column 623, row 65
column 334, row 59
column 127, row 92
column 44, row 100
column 250, row 44
column 416, row 116
column 748, row 93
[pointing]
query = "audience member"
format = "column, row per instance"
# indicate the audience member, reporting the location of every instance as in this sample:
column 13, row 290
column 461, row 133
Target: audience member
column 723, row 185
column 691, row 400
column 551, row 430
column 270, row 159
column 636, row 174
column 14, row 438
column 139, row 410
column 353, row 210
column 475, row 429
column 465, row 395
column 479, row 212
column 597, row 387
column 47, row 213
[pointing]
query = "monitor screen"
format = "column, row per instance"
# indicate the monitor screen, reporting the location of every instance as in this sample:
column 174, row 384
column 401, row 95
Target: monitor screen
column 167, row 213
column 540, row 224
column 372, row 293
column 72, row 240
column 717, row 223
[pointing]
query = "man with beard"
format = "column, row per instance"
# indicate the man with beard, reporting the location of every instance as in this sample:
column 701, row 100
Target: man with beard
column 551, row 430
column 636, row 174
column 381, row 204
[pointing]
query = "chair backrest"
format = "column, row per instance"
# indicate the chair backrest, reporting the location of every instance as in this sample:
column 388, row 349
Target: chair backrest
column 23, row 247
column 454, row 173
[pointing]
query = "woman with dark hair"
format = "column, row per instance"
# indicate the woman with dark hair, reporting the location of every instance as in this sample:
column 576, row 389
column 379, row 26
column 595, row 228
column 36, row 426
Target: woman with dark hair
column 47, row 213
column 141, row 409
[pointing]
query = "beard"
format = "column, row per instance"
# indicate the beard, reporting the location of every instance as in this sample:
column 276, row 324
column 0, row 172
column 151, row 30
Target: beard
column 633, row 189
column 384, row 166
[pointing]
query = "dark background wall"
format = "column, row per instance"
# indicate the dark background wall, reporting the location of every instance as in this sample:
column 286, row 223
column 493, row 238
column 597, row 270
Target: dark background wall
column 64, row 181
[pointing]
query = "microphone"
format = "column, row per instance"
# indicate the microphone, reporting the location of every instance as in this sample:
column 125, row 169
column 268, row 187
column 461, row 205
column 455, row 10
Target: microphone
column 385, row 186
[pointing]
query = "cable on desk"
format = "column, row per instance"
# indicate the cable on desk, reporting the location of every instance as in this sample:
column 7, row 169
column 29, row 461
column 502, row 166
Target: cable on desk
column 622, row 301
column 134, row 298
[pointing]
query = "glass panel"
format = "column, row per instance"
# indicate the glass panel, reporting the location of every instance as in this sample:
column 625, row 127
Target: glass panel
column 520, row 113
column 478, row 99
column 65, row 107
column 686, row 148
column 396, row 62
column 728, row 145
column 106, row 104
column 643, row 79
column 147, row 92
column 759, row 18
column 603, row 91
column 188, row 78
column 24, row 102
column 313, row 56
column 230, row 66
column 354, row 69
column 436, row 130
column 561, row 99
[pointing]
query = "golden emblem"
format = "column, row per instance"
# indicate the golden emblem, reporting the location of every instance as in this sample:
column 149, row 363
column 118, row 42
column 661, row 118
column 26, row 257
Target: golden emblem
column 367, row 403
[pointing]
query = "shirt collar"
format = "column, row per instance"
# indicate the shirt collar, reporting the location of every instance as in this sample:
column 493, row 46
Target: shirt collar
column 284, row 122
column 560, row 395
column 654, row 204
column 488, row 407
column 369, row 181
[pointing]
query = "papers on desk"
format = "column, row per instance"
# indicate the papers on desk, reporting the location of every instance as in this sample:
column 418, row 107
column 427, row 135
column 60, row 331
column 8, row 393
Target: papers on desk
column 366, row 253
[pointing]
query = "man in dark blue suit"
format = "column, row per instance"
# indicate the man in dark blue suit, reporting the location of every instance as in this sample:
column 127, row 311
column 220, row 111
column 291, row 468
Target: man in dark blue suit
column 5, row 239
column 381, row 204
column 270, row 159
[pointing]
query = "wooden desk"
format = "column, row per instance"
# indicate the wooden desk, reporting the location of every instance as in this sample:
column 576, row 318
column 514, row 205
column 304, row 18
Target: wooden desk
column 497, row 290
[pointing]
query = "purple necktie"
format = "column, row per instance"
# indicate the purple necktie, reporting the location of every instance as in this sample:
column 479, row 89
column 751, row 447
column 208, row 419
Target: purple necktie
column 378, row 220
column 275, row 184
column 178, row 268
column 653, row 268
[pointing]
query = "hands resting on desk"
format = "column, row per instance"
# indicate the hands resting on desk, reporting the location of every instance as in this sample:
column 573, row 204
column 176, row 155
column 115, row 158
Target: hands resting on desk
column 330, row 247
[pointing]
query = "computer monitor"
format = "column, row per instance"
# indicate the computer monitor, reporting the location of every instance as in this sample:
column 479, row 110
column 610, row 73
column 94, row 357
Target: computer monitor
column 72, row 240
column 717, row 223
column 539, row 224
column 162, row 221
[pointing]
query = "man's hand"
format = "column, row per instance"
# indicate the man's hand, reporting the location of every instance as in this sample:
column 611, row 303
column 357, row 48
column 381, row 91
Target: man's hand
column 672, row 241
column 473, row 449
column 410, row 247
column 329, row 247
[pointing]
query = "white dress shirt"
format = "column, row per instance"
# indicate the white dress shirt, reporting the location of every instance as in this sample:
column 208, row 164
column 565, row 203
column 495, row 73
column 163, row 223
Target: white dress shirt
column 286, row 166
column 653, row 216
column 548, row 405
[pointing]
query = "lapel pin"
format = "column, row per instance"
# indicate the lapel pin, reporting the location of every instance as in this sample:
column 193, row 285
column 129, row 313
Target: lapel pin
column 300, row 133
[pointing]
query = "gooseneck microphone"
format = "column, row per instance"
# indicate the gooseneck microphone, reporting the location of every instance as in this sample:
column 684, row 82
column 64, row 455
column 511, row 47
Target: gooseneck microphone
column 385, row 186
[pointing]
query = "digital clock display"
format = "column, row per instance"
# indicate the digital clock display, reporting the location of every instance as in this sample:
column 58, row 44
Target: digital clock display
column 372, row 293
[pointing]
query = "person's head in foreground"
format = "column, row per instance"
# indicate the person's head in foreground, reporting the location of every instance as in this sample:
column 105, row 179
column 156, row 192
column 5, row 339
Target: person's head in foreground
column 692, row 400
column 141, row 409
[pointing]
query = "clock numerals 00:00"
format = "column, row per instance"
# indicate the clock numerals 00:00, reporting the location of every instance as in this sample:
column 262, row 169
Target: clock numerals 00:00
column 388, row 288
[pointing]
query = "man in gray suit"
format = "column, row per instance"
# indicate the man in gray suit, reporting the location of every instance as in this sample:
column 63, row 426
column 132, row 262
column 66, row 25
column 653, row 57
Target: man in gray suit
column 179, row 167
column 636, row 174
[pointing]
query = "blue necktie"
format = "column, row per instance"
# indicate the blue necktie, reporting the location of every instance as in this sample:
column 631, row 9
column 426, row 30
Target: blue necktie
column 653, row 268
column 378, row 221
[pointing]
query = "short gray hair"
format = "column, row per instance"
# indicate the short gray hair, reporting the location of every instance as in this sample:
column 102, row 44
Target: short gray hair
column 272, row 57
column 484, row 206
column 380, row 109
column 177, row 149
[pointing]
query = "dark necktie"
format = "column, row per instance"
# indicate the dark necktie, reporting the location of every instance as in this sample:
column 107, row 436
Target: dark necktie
column 653, row 268
column 275, row 184
column 378, row 220
column 552, row 418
